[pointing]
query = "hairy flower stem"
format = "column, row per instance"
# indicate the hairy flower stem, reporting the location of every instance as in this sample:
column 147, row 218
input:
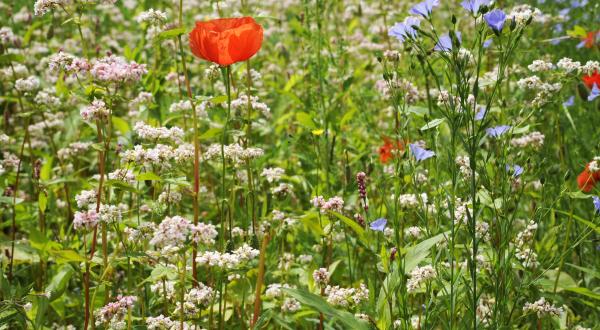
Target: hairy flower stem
column 248, row 139
column 260, row 278
column 226, row 72
column 195, row 193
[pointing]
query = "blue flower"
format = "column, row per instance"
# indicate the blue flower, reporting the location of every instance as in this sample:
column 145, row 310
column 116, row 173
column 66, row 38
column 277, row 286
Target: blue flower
column 424, row 8
column 517, row 170
column 481, row 113
column 444, row 44
column 569, row 102
column 577, row 3
column 404, row 30
column 473, row 6
column 420, row 153
column 378, row 225
column 594, row 93
column 596, row 201
column 495, row 20
column 497, row 131
column 487, row 43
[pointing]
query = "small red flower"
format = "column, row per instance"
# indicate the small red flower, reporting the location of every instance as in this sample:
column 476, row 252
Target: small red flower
column 592, row 79
column 589, row 40
column 587, row 179
column 226, row 40
column 386, row 151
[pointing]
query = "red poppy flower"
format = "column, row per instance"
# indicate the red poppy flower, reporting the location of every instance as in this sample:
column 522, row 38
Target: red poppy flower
column 589, row 40
column 225, row 41
column 587, row 179
column 592, row 79
column 386, row 150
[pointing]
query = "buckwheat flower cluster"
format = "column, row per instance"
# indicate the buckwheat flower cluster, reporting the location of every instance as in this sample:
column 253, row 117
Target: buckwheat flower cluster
column 444, row 98
column 335, row 203
column 540, row 66
column 169, row 197
column 113, row 314
column 533, row 82
column 152, row 17
column 116, row 70
column 227, row 260
column 112, row 213
column 274, row 290
column 154, row 133
column 568, row 65
column 523, row 14
column 464, row 166
column 85, row 198
column 482, row 230
column 53, row 120
column 26, row 85
column 414, row 232
column 40, row 7
column 283, row 189
column 321, row 276
column 272, row 173
column 411, row 201
column 160, row 322
column 196, row 299
column 290, row 305
column 533, row 139
column 75, row 148
column 160, row 155
column 286, row 261
column 6, row 35
column 419, row 275
column 123, row 174
column 523, row 253
column 96, row 111
column 143, row 233
column 345, row 297
column 181, row 106
column 85, row 219
column 172, row 231
column 233, row 152
column 68, row 63
column 204, row 233
column 241, row 103
column 543, row 308
column 590, row 67
column 47, row 98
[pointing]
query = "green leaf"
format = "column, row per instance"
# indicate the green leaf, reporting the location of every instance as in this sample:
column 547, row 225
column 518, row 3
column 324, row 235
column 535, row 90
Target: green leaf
column 148, row 176
column 588, row 271
column 46, row 169
column 318, row 303
column 210, row 133
column 168, row 34
column 59, row 281
column 360, row 231
column 121, row 125
column 42, row 201
column 585, row 291
column 6, row 59
column 291, row 82
column 65, row 256
column 582, row 220
column 306, row 120
column 415, row 254
column 433, row 123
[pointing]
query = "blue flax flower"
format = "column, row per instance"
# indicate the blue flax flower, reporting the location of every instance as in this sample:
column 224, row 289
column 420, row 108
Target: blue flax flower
column 378, row 225
column 517, row 170
column 424, row 8
column 596, row 201
column 473, row 6
column 594, row 93
column 495, row 20
column 569, row 102
column 420, row 153
column 497, row 131
column 444, row 44
column 404, row 30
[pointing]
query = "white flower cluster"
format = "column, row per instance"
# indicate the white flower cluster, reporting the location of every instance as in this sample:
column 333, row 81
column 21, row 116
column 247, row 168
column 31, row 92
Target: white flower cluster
column 321, row 276
column 464, row 166
column 290, row 305
column 522, row 14
column 144, row 232
column 96, row 111
column 272, row 173
column 169, row 197
column 233, row 152
column 204, row 233
column 123, row 174
column 155, row 133
column 569, row 66
column 533, row 139
column 115, row 69
column 181, row 106
column 227, row 260
column 40, row 7
column 172, row 231
column 274, row 290
column 26, row 85
column 543, row 308
column 409, row 201
column 53, row 120
column 418, row 276
column 161, row 322
column 152, row 17
column 46, row 97
column 241, row 103
column 335, row 204
column 540, row 66
column 85, row 198
column 345, row 297
column 523, row 253
column 6, row 35
column 196, row 299
column 280, row 216
column 73, row 149
column 113, row 314
column 159, row 155
column 68, row 63
column 414, row 232
column 85, row 219
column 112, row 213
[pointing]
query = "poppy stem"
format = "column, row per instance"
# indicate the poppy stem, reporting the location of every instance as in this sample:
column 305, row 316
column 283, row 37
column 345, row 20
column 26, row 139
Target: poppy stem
column 226, row 72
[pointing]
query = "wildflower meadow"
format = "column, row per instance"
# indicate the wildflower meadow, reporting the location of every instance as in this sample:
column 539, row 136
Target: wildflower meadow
column 300, row 164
